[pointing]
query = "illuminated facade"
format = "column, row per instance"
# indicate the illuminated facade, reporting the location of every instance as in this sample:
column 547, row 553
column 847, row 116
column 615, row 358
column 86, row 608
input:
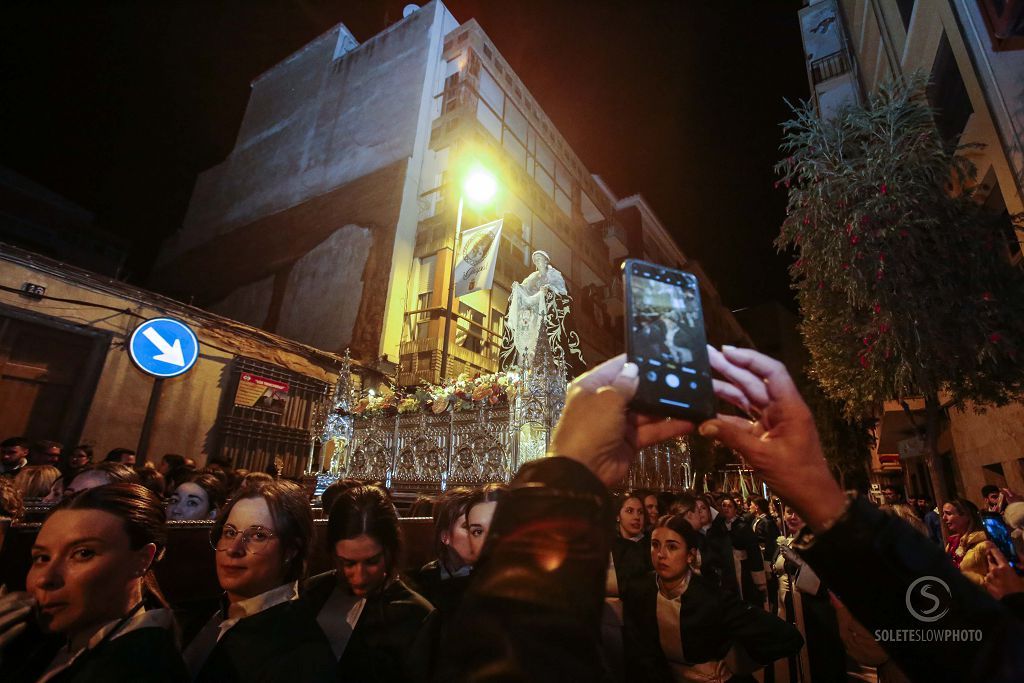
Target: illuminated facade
column 332, row 220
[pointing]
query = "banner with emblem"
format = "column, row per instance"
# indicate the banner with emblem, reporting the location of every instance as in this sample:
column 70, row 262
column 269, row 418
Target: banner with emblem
column 478, row 255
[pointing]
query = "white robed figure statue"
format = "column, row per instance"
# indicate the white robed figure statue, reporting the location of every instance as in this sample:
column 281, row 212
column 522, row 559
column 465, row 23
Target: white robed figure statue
column 536, row 310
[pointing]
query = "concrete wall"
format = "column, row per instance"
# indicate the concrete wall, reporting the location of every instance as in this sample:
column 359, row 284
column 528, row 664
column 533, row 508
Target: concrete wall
column 993, row 437
column 324, row 144
column 188, row 407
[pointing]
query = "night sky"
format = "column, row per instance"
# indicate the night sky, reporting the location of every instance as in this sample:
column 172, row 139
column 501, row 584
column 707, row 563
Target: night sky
column 118, row 105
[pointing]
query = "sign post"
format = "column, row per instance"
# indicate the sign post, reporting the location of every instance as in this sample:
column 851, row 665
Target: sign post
column 161, row 347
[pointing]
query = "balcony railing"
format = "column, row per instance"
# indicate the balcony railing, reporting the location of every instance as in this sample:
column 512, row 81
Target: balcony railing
column 829, row 66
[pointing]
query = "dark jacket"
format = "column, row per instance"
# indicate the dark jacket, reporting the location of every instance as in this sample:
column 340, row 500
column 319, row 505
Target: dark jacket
column 143, row 655
column 390, row 641
column 444, row 594
column 632, row 558
column 281, row 644
column 871, row 559
column 710, row 622
column 767, row 533
column 532, row 610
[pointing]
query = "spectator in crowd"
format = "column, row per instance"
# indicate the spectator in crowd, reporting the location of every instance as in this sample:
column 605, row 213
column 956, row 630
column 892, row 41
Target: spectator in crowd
column 964, row 542
column 11, row 503
column 45, row 453
column 992, row 499
column 891, row 495
column 152, row 480
column 652, row 508
column 932, row 520
column 199, row 497
column 423, row 506
column 480, row 513
column 332, row 492
column 81, row 457
column 804, row 601
column 99, row 475
column 373, row 621
column 907, row 514
column 262, row 632
column 631, row 550
column 170, row 462
column 34, row 481
column 13, row 455
column 747, row 564
column 123, row 456
column 254, row 479
column 764, row 527
column 443, row 580
column 96, row 599
column 679, row 627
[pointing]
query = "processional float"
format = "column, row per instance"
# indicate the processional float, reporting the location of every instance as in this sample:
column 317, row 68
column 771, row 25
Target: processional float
column 474, row 430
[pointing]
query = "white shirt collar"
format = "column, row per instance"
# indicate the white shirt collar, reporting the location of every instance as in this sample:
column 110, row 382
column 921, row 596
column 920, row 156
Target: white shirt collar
column 256, row 604
column 677, row 592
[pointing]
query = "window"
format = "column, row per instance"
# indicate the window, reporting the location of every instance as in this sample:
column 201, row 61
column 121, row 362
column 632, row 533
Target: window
column 491, row 92
column 516, row 122
column 491, row 123
column 470, row 335
column 425, row 287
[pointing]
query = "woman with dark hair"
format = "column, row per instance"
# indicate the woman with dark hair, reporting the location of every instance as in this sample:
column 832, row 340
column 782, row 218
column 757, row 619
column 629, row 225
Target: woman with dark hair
column 198, row 497
column 630, row 545
column 373, row 621
column 680, row 627
column 95, row 595
column 442, row 581
column 480, row 513
column 262, row 632
column 964, row 545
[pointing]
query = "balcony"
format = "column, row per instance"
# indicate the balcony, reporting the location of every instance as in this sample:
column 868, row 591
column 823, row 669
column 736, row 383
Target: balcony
column 829, row 66
column 616, row 239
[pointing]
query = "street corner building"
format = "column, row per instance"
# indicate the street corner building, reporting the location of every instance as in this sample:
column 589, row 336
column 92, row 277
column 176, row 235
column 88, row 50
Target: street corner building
column 67, row 373
column 332, row 221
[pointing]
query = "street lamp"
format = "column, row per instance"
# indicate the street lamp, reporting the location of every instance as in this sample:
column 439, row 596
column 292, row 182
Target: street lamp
column 479, row 186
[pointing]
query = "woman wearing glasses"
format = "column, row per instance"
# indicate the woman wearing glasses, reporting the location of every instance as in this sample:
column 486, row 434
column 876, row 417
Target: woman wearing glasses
column 374, row 622
column 262, row 632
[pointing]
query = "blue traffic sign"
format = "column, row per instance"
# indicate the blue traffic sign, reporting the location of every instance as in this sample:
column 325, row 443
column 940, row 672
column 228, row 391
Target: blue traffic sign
column 164, row 347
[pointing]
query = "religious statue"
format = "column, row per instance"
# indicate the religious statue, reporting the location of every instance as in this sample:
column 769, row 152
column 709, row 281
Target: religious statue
column 536, row 310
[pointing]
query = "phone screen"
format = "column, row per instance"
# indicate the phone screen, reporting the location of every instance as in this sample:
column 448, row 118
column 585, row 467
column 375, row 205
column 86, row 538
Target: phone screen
column 666, row 340
column 999, row 534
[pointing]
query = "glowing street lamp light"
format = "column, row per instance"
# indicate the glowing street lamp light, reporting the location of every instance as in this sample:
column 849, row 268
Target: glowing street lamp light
column 479, row 186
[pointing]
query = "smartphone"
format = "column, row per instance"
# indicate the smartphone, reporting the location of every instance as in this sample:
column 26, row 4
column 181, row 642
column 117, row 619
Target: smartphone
column 999, row 533
column 665, row 338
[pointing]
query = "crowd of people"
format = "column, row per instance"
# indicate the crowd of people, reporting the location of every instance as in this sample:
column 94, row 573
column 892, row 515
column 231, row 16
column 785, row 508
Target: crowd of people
column 547, row 578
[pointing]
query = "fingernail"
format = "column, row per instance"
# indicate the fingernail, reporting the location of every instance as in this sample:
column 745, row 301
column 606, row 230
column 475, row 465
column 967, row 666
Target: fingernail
column 727, row 347
column 708, row 429
column 630, row 370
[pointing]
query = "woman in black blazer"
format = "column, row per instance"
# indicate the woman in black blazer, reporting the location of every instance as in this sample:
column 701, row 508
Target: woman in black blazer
column 262, row 632
column 377, row 627
column 679, row 627
column 99, row 614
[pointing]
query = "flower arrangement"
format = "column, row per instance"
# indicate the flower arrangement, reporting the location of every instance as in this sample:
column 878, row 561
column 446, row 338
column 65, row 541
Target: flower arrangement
column 465, row 392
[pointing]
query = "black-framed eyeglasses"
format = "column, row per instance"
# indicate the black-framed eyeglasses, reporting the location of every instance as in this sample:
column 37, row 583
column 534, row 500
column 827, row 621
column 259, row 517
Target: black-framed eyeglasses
column 255, row 539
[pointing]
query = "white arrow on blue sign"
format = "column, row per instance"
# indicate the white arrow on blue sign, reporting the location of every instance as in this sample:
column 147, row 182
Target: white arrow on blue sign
column 164, row 347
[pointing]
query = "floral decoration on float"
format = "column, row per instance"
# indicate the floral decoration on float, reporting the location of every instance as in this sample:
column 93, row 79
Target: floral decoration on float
column 464, row 393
